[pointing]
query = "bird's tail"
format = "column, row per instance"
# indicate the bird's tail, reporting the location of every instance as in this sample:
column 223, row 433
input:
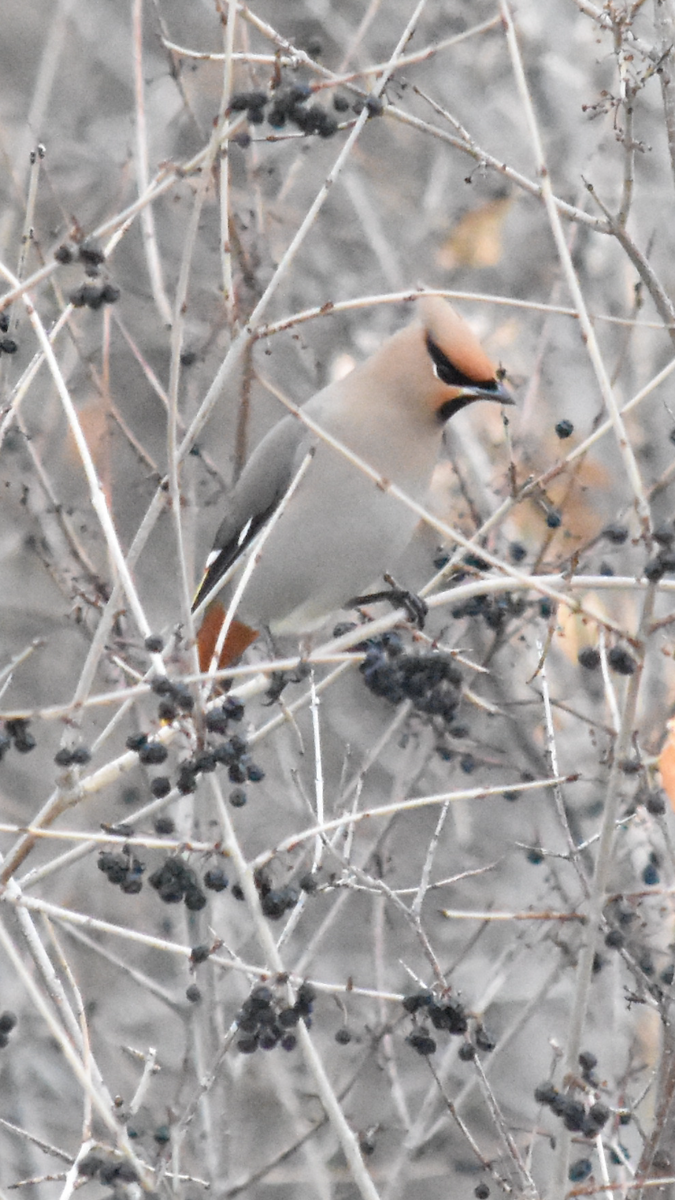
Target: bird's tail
column 239, row 636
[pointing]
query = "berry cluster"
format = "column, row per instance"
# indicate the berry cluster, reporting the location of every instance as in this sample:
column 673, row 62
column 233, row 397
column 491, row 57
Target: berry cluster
column 149, row 753
column 431, row 682
column 575, row 1115
column 175, row 881
column 176, row 698
column 263, row 1023
column 618, row 659
column 93, row 295
column 275, row 901
column 620, row 918
column 77, row 756
column 198, row 955
column 448, row 1016
column 110, row 1171
column 663, row 563
column 495, row 611
column 90, row 253
column 7, row 344
column 287, row 105
column 123, row 869
column 215, row 879
column 16, row 734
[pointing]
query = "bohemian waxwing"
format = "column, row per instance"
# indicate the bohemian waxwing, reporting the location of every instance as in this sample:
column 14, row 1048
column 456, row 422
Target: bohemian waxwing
column 339, row 532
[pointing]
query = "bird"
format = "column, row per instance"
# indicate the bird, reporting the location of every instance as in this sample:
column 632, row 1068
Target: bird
column 326, row 531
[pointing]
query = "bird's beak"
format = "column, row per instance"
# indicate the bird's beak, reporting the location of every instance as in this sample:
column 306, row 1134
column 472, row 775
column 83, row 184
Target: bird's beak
column 466, row 395
column 498, row 392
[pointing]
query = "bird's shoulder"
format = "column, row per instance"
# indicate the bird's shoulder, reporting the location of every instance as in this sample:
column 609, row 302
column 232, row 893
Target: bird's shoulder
column 265, row 478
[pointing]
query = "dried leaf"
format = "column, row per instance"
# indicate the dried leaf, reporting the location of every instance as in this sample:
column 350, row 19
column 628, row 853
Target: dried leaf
column 575, row 630
column 476, row 240
column 667, row 763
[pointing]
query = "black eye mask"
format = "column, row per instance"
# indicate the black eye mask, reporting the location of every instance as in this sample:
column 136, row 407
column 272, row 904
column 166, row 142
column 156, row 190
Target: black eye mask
column 472, row 389
column 448, row 373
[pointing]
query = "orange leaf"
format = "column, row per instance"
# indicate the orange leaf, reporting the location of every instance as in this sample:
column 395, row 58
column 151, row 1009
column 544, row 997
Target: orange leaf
column 667, row 764
column 476, row 240
column 576, row 632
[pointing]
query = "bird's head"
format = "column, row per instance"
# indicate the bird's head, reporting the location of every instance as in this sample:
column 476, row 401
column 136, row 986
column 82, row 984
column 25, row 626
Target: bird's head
column 456, row 361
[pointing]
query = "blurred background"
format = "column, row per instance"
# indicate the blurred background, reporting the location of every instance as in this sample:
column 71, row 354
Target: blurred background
column 147, row 212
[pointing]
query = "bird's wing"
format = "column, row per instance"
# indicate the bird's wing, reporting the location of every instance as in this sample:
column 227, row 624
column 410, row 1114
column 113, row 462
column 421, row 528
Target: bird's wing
column 261, row 486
